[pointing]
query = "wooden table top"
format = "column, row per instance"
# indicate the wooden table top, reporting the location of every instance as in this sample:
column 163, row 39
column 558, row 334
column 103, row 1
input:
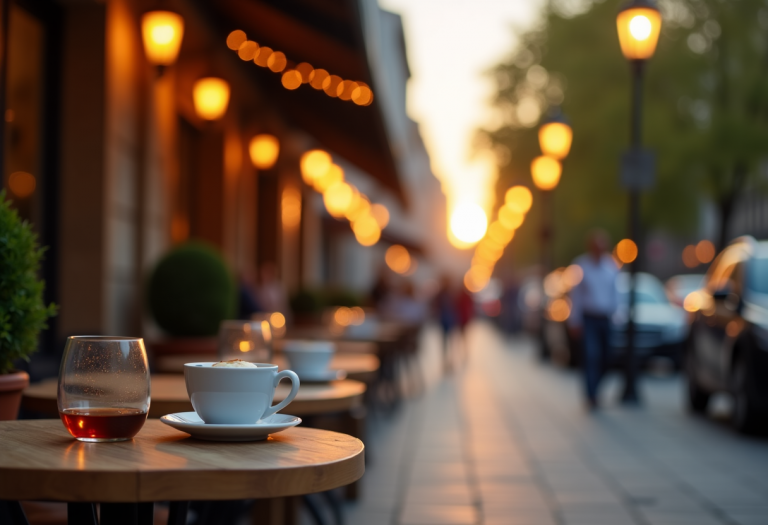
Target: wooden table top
column 40, row 460
column 169, row 395
column 359, row 366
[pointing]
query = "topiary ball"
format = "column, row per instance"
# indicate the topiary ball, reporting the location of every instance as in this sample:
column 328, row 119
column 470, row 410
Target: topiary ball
column 191, row 291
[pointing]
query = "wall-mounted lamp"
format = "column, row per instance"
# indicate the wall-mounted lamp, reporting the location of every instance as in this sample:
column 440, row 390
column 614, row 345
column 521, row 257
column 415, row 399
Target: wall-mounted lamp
column 211, row 98
column 264, row 150
column 162, row 32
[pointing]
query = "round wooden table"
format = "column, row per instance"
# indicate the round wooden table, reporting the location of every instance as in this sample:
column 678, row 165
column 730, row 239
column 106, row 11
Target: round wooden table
column 41, row 461
column 169, row 395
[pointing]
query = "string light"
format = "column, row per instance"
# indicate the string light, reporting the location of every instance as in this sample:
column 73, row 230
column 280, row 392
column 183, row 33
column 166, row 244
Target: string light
column 334, row 86
column 499, row 234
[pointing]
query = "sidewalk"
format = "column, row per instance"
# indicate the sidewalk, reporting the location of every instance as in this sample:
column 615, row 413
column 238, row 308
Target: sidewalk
column 505, row 440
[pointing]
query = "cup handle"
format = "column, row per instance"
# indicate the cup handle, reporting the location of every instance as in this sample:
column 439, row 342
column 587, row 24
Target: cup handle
column 290, row 374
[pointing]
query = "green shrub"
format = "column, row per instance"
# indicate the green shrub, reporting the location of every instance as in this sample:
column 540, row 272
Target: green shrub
column 22, row 310
column 191, row 291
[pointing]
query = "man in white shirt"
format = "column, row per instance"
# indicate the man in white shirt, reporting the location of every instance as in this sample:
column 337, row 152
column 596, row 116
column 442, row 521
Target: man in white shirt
column 594, row 301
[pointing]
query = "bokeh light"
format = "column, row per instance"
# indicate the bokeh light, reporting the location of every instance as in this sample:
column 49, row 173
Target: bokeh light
column 689, row 256
column 235, row 38
column 277, row 62
column 510, row 219
column 367, row 231
column 211, row 97
column 398, row 259
column 247, row 50
column 337, row 198
column 261, row 58
column 559, row 310
column 264, row 150
column 331, row 85
column 333, row 175
column 291, row 79
column 314, row 164
column 705, row 251
column 573, row 275
column 381, row 214
column 518, row 199
column 305, row 70
column 555, row 139
column 693, row 302
column 317, row 78
column 545, row 172
column 469, row 223
column 277, row 320
column 626, row 251
column 22, row 184
column 162, row 32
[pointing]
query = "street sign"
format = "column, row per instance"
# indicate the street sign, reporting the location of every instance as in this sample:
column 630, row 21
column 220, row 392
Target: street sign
column 638, row 169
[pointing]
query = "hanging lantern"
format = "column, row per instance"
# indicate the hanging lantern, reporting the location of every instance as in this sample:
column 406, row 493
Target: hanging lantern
column 211, row 98
column 162, row 32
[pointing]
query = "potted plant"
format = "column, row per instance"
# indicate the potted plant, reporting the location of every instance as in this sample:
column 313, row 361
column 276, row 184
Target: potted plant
column 190, row 292
column 23, row 314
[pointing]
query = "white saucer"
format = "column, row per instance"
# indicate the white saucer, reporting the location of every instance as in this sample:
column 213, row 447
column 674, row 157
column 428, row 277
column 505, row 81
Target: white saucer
column 191, row 423
column 321, row 376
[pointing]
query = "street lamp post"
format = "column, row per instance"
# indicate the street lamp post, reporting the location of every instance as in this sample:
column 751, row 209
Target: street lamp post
column 555, row 137
column 638, row 24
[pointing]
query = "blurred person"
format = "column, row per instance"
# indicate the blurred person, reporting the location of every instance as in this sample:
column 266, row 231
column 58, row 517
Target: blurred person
column 270, row 292
column 444, row 307
column 594, row 301
column 465, row 311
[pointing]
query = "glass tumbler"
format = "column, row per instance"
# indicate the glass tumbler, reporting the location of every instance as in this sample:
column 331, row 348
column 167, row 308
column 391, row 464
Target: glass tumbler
column 104, row 387
column 247, row 340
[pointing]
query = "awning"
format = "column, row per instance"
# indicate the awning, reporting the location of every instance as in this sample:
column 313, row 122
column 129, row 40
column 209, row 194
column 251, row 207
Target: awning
column 328, row 35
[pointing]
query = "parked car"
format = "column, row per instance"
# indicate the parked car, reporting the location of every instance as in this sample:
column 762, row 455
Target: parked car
column 680, row 286
column 661, row 327
column 727, row 350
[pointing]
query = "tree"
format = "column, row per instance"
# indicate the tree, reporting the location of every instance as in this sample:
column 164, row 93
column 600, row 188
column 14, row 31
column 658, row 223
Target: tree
column 705, row 106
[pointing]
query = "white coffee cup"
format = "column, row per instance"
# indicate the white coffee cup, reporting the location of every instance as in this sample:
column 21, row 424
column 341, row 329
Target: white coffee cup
column 236, row 396
column 309, row 357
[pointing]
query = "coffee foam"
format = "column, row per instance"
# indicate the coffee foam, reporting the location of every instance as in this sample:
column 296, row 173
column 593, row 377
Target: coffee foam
column 234, row 363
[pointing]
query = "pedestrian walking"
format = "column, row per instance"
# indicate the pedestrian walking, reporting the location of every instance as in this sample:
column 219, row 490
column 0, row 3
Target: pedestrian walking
column 594, row 301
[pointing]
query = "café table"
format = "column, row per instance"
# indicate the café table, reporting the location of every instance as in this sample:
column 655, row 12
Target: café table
column 41, row 461
column 359, row 366
column 169, row 395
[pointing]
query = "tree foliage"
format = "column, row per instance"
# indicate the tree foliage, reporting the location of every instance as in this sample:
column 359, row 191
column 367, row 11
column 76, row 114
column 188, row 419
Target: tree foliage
column 22, row 310
column 705, row 109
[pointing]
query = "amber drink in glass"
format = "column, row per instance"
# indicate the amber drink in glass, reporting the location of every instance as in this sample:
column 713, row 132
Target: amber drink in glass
column 104, row 387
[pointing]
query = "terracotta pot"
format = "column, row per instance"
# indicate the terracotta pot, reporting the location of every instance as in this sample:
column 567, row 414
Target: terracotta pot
column 11, row 386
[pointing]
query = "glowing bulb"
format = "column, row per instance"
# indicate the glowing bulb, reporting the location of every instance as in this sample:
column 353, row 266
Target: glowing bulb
column 519, row 199
column 626, row 251
column 640, row 27
column 314, row 164
column 545, row 172
column 277, row 320
column 397, row 258
column 264, row 150
column 162, row 32
column 469, row 223
column 211, row 98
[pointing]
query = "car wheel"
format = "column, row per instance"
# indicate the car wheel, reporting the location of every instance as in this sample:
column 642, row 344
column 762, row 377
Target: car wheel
column 746, row 416
column 698, row 398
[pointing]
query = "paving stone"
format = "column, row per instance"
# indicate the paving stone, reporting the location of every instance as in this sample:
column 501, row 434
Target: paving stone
column 438, row 515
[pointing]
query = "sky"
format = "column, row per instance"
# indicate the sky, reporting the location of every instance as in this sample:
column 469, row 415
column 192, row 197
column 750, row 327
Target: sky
column 451, row 45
